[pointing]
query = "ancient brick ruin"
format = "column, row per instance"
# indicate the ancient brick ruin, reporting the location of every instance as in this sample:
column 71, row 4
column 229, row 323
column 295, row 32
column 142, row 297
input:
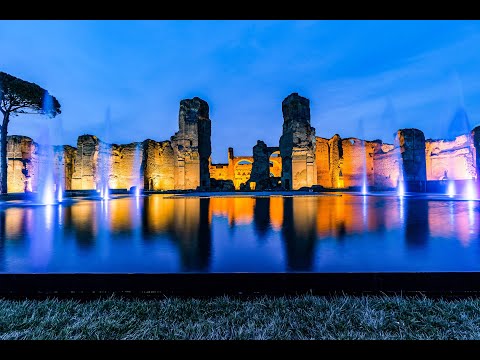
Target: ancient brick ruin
column 301, row 159
column 297, row 144
column 191, row 145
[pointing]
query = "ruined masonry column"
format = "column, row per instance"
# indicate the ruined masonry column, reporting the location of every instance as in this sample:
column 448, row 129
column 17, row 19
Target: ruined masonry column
column 85, row 174
column 261, row 166
column 297, row 144
column 231, row 168
column 192, row 146
column 336, row 162
column 411, row 143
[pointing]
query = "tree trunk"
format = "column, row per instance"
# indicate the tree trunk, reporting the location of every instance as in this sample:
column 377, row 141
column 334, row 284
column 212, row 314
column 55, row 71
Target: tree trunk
column 3, row 154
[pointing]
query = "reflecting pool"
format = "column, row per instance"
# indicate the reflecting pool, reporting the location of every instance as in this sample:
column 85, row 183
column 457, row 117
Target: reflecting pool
column 169, row 234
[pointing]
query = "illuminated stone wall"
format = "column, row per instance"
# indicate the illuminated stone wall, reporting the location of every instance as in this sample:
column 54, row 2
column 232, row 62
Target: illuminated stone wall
column 219, row 171
column 182, row 163
column 150, row 164
column 85, row 171
column 276, row 164
column 126, row 166
column 322, row 158
column 64, row 164
column 386, row 166
column 357, row 162
column 191, row 145
column 95, row 164
column 238, row 169
column 27, row 163
column 242, row 174
column 302, row 159
column 22, row 163
column 341, row 163
column 159, row 165
column 454, row 160
column 297, row 144
column 411, row 143
column 335, row 161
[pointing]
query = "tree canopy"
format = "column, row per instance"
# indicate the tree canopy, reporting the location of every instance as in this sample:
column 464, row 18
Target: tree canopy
column 17, row 95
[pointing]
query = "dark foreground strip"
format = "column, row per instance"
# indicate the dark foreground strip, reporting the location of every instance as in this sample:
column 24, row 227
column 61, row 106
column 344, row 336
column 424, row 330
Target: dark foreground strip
column 453, row 284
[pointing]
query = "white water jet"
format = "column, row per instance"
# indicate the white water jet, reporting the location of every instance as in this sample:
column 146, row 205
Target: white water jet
column 136, row 169
column 104, row 160
column 50, row 177
column 470, row 192
column 401, row 189
column 104, row 170
column 364, row 187
column 46, row 183
column 361, row 133
column 451, row 189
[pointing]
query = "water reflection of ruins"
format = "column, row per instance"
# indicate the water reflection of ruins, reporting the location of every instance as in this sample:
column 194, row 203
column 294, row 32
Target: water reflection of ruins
column 186, row 227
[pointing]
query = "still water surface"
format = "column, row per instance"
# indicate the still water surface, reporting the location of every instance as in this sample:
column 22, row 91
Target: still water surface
column 161, row 234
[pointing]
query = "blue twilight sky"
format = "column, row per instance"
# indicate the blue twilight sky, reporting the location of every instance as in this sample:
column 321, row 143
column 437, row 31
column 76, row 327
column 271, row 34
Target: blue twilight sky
column 363, row 78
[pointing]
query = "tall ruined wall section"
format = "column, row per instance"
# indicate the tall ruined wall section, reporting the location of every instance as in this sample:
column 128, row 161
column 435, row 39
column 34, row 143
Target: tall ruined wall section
column 386, row 165
column 149, row 165
column 86, row 161
column 93, row 164
column 22, row 163
column 358, row 161
column 336, row 161
column 454, row 160
column 411, row 143
column 204, row 145
column 126, row 166
column 349, row 160
column 322, row 157
column 158, row 164
column 64, row 164
column 297, row 144
column 191, row 145
column 219, row 172
column 341, row 163
column 28, row 163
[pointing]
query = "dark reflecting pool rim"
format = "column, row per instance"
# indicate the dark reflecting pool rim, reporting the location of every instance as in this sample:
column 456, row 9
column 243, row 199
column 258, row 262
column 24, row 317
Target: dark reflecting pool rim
column 93, row 285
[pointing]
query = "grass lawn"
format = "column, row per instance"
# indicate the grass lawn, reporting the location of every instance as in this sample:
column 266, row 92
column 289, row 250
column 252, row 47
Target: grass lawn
column 302, row 317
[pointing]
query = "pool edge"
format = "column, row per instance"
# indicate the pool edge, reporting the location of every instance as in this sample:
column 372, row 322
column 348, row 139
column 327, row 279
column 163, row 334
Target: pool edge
column 93, row 285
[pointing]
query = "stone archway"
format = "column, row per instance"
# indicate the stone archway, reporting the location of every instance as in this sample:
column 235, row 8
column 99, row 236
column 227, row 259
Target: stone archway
column 242, row 168
column 275, row 163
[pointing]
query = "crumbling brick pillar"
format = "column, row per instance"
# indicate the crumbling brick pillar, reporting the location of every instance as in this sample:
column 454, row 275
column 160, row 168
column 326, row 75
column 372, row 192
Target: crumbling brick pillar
column 192, row 145
column 411, row 143
column 297, row 144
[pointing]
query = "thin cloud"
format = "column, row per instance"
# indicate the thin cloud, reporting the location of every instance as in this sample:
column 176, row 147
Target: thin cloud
column 426, row 79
